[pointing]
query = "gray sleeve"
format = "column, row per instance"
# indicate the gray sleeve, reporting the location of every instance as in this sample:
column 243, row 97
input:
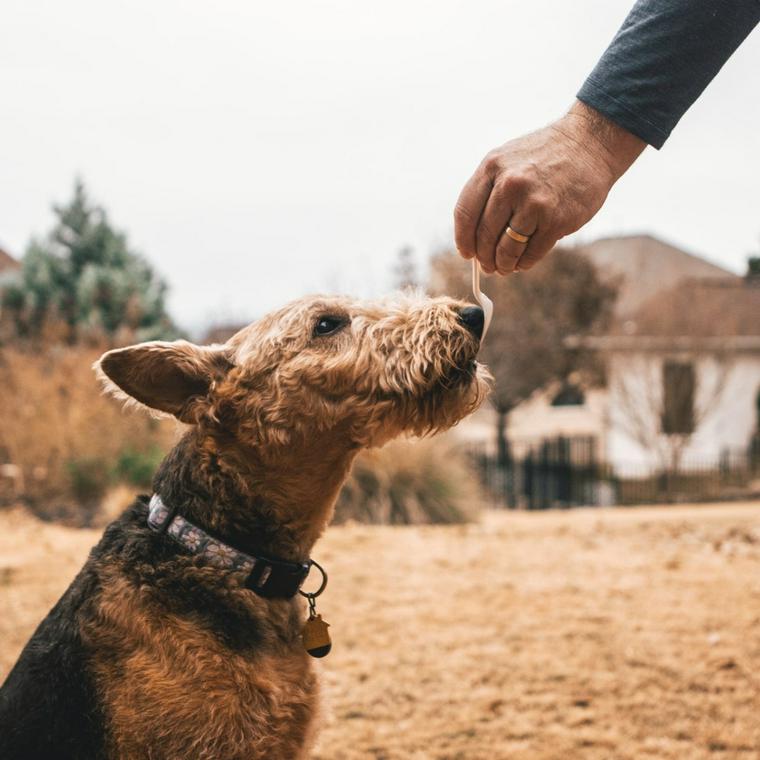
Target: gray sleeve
column 662, row 58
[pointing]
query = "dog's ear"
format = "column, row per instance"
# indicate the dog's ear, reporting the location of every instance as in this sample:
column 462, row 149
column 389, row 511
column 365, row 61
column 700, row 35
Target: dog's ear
column 168, row 377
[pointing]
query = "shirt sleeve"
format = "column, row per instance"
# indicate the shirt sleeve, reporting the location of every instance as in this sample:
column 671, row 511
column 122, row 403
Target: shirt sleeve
column 662, row 58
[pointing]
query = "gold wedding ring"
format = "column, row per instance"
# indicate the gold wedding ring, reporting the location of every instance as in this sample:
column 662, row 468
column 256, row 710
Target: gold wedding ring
column 517, row 236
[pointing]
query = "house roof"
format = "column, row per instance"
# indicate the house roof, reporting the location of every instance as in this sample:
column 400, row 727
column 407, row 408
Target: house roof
column 7, row 262
column 712, row 314
column 699, row 307
column 646, row 266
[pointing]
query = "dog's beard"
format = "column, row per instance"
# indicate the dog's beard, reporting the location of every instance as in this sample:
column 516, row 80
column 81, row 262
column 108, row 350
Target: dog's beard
column 458, row 376
column 458, row 393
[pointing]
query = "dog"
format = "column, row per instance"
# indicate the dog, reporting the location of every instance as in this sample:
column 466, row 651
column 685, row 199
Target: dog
column 181, row 637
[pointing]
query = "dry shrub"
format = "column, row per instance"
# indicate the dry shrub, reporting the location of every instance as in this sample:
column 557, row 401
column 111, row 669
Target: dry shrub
column 75, row 447
column 69, row 442
column 411, row 482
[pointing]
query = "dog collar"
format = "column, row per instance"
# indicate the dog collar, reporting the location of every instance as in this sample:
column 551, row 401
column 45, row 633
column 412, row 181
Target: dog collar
column 270, row 578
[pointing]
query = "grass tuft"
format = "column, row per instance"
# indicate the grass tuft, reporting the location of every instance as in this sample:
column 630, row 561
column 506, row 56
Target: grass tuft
column 410, row 483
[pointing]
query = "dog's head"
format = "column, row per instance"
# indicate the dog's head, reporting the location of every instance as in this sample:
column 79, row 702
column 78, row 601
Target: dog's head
column 373, row 370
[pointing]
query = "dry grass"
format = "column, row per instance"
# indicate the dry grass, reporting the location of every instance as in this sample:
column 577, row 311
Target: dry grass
column 587, row 634
column 411, row 482
column 61, row 431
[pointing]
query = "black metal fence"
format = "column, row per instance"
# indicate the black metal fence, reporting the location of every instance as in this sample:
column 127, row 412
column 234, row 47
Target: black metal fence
column 566, row 472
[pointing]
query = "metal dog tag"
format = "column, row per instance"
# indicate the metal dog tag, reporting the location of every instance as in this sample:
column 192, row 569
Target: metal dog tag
column 315, row 637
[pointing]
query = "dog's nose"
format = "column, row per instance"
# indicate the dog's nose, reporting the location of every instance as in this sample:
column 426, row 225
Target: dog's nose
column 472, row 318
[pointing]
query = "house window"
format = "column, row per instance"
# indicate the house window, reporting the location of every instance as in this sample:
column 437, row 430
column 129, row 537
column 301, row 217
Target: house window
column 569, row 395
column 678, row 385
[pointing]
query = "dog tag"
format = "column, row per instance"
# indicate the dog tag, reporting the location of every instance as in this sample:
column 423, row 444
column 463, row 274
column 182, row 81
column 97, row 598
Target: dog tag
column 315, row 637
column 485, row 302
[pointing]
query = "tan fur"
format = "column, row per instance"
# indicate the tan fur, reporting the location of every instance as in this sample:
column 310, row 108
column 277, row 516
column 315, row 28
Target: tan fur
column 167, row 376
column 279, row 412
column 174, row 692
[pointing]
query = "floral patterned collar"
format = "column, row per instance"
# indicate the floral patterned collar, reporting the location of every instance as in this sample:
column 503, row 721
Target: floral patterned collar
column 271, row 578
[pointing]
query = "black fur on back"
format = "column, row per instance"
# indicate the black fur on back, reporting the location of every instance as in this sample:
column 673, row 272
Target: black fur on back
column 49, row 706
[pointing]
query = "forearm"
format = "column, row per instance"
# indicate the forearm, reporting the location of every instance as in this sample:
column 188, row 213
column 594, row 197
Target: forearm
column 662, row 58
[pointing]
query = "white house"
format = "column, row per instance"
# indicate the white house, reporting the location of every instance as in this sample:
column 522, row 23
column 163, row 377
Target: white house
column 683, row 377
column 569, row 410
column 674, row 402
column 682, row 368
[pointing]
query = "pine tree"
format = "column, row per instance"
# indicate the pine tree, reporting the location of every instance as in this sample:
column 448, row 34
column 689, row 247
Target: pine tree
column 83, row 281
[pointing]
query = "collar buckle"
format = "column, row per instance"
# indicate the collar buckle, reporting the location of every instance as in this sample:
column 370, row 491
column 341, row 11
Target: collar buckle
column 277, row 578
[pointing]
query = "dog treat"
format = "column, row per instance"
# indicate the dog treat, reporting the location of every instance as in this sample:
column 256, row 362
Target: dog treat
column 485, row 302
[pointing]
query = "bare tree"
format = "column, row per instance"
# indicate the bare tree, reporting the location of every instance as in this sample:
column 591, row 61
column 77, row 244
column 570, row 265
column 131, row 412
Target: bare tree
column 534, row 314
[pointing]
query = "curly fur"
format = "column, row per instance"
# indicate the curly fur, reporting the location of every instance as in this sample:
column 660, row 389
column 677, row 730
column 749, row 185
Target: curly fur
column 151, row 653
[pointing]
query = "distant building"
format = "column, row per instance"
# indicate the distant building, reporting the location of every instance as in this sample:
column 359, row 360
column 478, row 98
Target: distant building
column 9, row 267
column 9, row 271
column 683, row 376
column 682, row 367
column 645, row 266
column 569, row 410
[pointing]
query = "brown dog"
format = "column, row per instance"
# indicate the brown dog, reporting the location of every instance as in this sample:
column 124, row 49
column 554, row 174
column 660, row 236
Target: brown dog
column 182, row 635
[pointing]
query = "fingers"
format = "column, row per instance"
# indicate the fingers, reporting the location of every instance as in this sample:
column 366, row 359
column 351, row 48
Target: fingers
column 467, row 212
column 537, row 247
column 508, row 250
column 492, row 223
column 551, row 181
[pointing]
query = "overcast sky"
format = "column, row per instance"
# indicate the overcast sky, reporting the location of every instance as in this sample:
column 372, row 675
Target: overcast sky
column 258, row 151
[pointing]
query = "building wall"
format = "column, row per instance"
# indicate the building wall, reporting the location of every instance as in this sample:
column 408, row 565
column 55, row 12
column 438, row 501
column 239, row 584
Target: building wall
column 725, row 408
column 478, row 431
column 536, row 420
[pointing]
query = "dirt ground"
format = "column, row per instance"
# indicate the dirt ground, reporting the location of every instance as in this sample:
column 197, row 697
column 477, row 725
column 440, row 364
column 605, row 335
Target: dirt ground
column 586, row 634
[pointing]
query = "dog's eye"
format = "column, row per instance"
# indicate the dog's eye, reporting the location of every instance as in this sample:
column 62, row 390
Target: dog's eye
column 327, row 325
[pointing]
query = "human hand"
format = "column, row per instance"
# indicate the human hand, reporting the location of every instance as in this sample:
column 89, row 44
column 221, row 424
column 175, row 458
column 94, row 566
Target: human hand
column 544, row 185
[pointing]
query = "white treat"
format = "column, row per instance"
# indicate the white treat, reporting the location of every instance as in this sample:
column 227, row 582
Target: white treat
column 485, row 302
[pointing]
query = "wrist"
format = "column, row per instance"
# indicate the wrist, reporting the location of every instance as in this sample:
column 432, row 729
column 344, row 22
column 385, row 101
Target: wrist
column 617, row 146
